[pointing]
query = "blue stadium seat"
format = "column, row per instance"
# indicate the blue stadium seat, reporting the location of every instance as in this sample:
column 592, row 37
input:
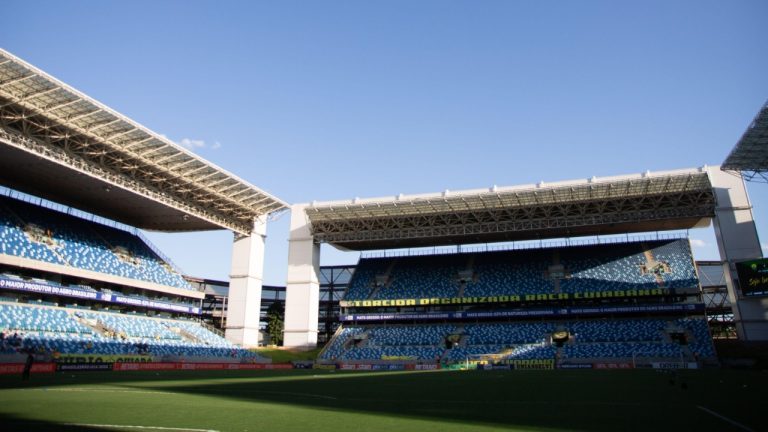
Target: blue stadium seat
column 73, row 331
column 41, row 234
column 596, row 268
column 590, row 340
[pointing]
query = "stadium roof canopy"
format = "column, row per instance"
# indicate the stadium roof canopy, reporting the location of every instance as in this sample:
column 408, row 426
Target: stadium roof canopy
column 750, row 155
column 636, row 203
column 60, row 144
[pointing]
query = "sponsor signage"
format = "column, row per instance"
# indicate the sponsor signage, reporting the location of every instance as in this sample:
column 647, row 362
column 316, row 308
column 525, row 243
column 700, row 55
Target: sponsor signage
column 489, row 366
column 506, row 298
column 153, row 304
column 534, row 364
column 20, row 285
column 391, row 367
column 303, row 364
column 324, row 366
column 386, row 367
column 144, row 366
column 354, row 366
column 83, row 367
column 199, row 366
column 675, row 365
column 460, row 366
column 539, row 312
column 74, row 292
column 430, row 366
column 18, row 368
column 576, row 366
column 103, row 358
column 753, row 277
column 615, row 365
column 396, row 358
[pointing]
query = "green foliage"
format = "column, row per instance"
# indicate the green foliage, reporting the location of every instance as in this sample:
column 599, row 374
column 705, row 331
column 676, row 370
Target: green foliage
column 275, row 324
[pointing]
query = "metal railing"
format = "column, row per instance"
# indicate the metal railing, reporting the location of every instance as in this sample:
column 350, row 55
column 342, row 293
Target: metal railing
column 524, row 245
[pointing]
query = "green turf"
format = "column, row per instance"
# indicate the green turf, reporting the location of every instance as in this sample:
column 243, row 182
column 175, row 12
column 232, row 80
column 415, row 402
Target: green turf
column 318, row 400
column 285, row 356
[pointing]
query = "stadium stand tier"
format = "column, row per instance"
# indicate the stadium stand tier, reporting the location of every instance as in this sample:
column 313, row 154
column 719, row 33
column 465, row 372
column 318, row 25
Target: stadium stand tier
column 66, row 332
column 567, row 336
column 41, row 234
column 47, row 280
column 596, row 268
column 588, row 340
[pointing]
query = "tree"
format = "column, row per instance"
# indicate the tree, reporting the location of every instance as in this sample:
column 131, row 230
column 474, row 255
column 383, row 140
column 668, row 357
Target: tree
column 275, row 314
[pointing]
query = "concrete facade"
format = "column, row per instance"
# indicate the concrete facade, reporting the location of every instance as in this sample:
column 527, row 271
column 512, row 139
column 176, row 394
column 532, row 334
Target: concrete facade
column 245, row 281
column 737, row 240
column 302, row 297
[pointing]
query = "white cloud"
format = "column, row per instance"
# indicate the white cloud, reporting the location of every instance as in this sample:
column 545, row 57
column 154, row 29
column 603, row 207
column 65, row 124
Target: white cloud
column 193, row 144
column 698, row 243
column 764, row 246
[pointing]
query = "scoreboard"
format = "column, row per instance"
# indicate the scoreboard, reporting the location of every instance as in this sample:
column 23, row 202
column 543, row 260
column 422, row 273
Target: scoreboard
column 753, row 277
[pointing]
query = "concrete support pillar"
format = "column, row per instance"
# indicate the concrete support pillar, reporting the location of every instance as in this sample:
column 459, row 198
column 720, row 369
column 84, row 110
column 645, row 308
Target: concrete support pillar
column 737, row 241
column 244, row 303
column 302, row 297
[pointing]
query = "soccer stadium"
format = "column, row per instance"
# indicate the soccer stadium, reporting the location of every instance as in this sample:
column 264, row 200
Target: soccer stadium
column 569, row 305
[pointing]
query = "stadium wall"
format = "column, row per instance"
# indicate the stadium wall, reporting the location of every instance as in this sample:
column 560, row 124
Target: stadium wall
column 737, row 240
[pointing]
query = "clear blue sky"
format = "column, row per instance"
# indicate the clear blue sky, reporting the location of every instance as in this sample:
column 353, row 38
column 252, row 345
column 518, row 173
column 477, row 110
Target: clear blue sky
column 338, row 99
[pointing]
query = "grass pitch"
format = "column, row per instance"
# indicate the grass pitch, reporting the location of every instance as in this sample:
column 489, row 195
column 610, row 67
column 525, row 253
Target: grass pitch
column 445, row 401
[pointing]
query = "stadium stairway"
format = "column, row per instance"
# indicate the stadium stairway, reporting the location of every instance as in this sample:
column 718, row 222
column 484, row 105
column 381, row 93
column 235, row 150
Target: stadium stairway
column 462, row 287
column 443, row 354
column 92, row 324
column 187, row 335
column 462, row 342
column 386, row 277
column 651, row 259
column 469, row 272
column 336, row 337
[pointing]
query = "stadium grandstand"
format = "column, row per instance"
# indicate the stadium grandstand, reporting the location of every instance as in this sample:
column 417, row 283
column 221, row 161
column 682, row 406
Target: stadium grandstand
column 78, row 280
column 81, row 180
column 601, row 296
column 622, row 304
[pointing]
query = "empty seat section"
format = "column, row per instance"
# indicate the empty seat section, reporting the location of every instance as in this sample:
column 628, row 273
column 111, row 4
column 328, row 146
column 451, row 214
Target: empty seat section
column 72, row 331
column 41, row 234
column 589, row 340
column 570, row 270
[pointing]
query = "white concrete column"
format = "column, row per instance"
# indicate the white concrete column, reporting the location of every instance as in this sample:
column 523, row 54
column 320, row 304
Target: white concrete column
column 302, row 296
column 244, row 302
column 737, row 241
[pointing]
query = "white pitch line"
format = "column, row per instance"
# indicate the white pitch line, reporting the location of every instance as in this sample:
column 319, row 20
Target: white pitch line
column 108, row 426
column 502, row 402
column 98, row 390
column 107, row 390
column 722, row 417
column 309, row 395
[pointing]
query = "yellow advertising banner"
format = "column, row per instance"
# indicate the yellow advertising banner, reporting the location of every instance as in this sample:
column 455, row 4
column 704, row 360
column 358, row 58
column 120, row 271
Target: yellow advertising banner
column 104, row 358
column 535, row 364
column 505, row 298
column 395, row 357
